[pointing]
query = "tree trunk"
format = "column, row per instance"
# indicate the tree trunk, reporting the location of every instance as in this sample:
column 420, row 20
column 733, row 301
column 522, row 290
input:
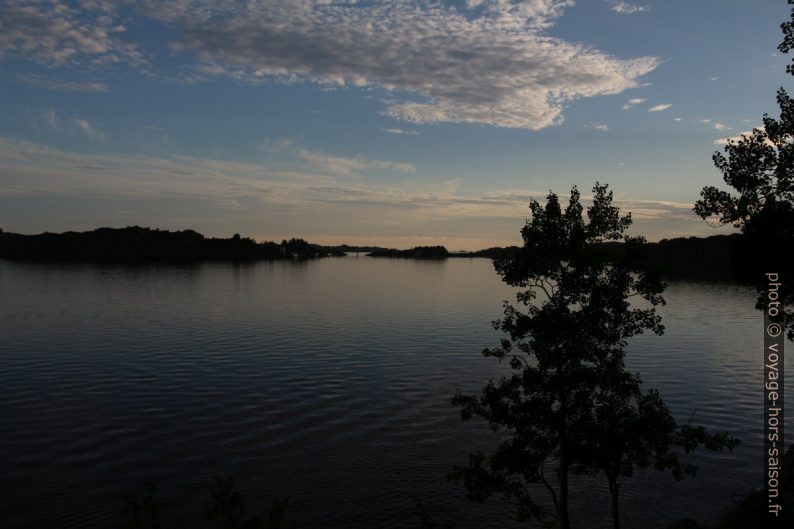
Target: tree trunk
column 614, row 490
column 565, row 523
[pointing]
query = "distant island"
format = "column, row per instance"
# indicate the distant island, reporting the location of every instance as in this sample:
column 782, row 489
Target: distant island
column 685, row 258
column 418, row 252
column 439, row 252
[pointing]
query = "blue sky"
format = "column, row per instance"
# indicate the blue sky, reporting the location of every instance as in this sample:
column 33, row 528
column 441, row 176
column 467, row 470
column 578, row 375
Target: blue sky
column 393, row 122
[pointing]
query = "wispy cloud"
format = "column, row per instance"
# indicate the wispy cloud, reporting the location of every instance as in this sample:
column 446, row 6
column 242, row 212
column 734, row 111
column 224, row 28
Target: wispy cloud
column 64, row 86
column 725, row 141
column 400, row 131
column 89, row 130
column 597, row 126
column 721, row 127
column 151, row 137
column 659, row 108
column 626, row 8
column 740, row 136
column 51, row 117
column 340, row 165
column 311, row 202
column 633, row 102
column 278, row 144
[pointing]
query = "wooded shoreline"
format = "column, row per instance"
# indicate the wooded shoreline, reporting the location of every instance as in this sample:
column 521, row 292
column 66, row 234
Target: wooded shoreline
column 707, row 258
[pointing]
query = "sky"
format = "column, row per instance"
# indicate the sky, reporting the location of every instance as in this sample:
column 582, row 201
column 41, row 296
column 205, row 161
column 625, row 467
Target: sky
column 394, row 123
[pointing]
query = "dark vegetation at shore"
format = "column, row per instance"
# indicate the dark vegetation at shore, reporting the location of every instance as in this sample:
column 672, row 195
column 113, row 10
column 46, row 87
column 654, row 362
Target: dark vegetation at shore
column 226, row 508
column 136, row 244
column 709, row 258
column 419, row 252
column 686, row 258
column 440, row 252
column 346, row 248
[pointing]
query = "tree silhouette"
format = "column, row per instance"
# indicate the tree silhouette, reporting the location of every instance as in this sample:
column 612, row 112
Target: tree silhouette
column 136, row 244
column 140, row 511
column 569, row 405
column 577, row 319
column 788, row 38
column 224, row 509
column 760, row 168
column 632, row 429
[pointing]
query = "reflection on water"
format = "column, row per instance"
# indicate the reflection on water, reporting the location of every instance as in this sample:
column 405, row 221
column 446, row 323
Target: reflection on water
column 328, row 381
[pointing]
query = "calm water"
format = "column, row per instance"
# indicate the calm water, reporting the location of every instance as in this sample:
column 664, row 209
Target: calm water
column 327, row 381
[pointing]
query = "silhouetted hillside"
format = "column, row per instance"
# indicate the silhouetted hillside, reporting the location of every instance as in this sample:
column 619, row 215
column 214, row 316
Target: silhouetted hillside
column 135, row 244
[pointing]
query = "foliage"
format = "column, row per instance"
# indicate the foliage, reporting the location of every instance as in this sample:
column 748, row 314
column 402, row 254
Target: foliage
column 569, row 405
column 788, row 38
column 577, row 320
column 140, row 511
column 136, row 244
column 759, row 167
column 632, row 429
column 224, row 509
column 426, row 518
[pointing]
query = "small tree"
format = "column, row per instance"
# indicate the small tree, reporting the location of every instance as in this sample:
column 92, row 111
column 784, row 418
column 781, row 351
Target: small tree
column 576, row 322
column 569, row 402
column 635, row 429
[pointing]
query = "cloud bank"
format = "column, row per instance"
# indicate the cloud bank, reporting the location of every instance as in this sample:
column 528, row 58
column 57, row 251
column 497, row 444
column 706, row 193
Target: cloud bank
column 486, row 61
column 65, row 33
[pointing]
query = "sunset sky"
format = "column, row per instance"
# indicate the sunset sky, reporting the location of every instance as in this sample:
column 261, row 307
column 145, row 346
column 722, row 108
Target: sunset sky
column 389, row 122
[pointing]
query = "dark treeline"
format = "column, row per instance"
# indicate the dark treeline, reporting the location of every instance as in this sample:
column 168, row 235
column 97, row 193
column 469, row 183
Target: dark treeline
column 693, row 257
column 346, row 248
column 678, row 258
column 418, row 252
column 440, row 252
column 225, row 508
column 689, row 257
column 136, row 244
column 492, row 253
